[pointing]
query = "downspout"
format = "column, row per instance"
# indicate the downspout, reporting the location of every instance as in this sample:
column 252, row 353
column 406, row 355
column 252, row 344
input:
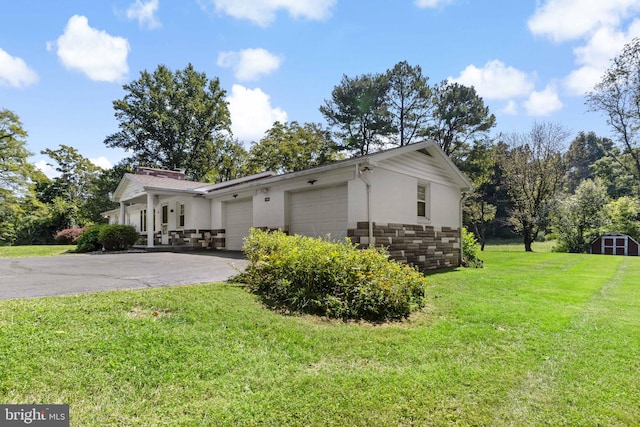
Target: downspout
column 368, row 184
column 462, row 199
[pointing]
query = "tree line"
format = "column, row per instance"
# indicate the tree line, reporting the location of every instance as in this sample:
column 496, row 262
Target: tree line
column 533, row 184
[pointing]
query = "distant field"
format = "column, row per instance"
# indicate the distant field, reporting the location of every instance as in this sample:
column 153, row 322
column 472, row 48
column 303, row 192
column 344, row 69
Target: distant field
column 34, row 250
column 516, row 245
column 531, row 339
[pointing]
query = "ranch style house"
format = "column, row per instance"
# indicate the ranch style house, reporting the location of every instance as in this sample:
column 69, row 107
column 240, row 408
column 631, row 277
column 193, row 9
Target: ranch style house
column 407, row 199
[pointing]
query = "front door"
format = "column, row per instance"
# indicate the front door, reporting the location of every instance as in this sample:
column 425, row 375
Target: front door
column 164, row 225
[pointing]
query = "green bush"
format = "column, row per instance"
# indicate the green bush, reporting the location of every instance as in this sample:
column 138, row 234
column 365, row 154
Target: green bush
column 89, row 240
column 470, row 250
column 117, row 237
column 314, row 276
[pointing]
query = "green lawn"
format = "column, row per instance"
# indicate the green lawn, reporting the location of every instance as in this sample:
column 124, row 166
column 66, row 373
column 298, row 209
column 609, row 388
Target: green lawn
column 34, row 250
column 532, row 339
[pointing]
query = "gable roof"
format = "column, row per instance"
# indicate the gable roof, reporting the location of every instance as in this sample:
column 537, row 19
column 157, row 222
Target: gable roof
column 166, row 184
column 430, row 148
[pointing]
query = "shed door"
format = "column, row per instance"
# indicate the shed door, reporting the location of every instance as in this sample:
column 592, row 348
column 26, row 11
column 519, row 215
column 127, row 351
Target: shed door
column 238, row 220
column 614, row 245
column 319, row 212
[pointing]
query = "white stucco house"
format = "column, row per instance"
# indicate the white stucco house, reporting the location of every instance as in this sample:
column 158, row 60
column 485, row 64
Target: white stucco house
column 407, row 199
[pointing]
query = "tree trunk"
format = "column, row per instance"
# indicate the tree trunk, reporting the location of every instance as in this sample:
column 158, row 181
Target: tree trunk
column 528, row 240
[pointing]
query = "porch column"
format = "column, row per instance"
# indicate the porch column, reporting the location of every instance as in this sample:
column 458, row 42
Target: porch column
column 150, row 229
column 122, row 213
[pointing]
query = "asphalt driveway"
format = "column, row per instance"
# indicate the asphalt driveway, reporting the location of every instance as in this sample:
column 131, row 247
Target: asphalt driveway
column 75, row 274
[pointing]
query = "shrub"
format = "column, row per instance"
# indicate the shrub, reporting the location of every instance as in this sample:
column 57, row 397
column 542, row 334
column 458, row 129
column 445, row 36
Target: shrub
column 470, row 250
column 69, row 236
column 89, row 240
column 116, row 237
column 314, row 276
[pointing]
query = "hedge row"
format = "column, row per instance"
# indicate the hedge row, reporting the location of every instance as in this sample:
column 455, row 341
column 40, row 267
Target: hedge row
column 307, row 275
column 112, row 237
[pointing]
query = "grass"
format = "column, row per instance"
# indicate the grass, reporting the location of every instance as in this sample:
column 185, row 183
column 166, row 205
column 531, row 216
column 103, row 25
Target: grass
column 516, row 245
column 532, row 339
column 34, row 250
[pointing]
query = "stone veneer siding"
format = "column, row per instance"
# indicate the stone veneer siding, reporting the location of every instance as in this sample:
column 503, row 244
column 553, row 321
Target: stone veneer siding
column 190, row 238
column 424, row 246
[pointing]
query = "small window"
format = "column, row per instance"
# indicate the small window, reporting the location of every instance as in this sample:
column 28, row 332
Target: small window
column 422, row 201
column 143, row 220
column 180, row 214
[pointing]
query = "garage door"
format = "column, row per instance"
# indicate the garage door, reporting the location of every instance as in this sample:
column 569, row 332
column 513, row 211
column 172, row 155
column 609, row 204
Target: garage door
column 319, row 212
column 238, row 220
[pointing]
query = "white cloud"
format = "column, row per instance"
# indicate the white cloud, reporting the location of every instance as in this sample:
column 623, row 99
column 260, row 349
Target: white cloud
column 102, row 162
column 595, row 57
column 252, row 113
column 15, row 72
column 145, row 13
column 424, row 4
column 49, row 171
column 563, row 20
column 263, row 12
column 496, row 81
column 249, row 64
column 97, row 54
column 510, row 109
column 543, row 103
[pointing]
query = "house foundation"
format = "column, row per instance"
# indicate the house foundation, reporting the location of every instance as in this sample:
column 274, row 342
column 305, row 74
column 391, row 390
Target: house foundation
column 423, row 246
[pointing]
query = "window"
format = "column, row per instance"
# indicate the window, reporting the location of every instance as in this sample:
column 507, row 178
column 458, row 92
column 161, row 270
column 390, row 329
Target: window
column 143, row 220
column 180, row 214
column 422, row 201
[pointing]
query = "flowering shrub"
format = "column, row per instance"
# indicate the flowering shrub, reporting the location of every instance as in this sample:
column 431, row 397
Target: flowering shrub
column 69, row 236
column 308, row 275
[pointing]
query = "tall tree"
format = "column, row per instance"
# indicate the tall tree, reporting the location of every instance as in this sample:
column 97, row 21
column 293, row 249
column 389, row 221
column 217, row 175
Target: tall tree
column 460, row 116
column 290, row 147
column 172, row 120
column 618, row 97
column 358, row 111
column 231, row 162
column 622, row 216
column 410, row 101
column 584, row 151
column 533, row 168
column 616, row 174
column 77, row 174
column 480, row 207
column 15, row 169
column 103, row 186
column 579, row 217
column 16, row 175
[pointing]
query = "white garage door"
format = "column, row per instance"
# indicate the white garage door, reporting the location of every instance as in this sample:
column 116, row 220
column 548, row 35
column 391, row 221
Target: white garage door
column 238, row 220
column 319, row 212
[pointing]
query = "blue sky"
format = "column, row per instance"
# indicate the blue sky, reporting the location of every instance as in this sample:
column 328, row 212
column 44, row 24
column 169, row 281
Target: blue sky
column 63, row 62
